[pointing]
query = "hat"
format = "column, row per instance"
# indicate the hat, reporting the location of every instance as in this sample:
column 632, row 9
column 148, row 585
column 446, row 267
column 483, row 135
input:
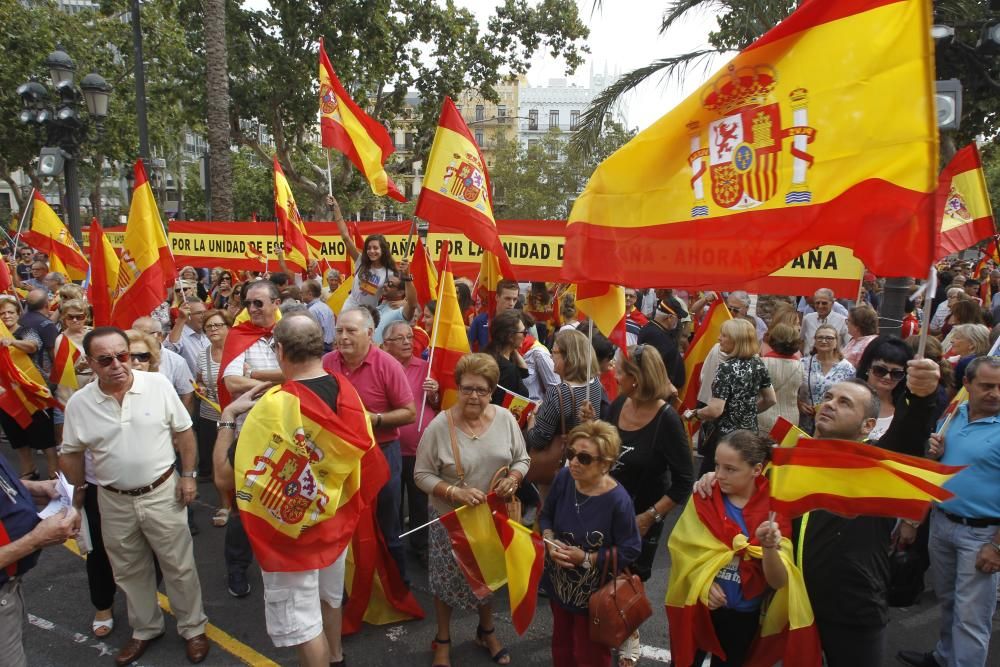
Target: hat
column 672, row 306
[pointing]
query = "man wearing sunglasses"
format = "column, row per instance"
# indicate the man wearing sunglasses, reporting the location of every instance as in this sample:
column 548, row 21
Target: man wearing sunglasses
column 130, row 422
column 823, row 314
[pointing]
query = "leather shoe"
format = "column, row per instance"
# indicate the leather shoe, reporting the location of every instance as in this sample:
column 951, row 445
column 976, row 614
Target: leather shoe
column 133, row 650
column 197, row 648
column 917, row 659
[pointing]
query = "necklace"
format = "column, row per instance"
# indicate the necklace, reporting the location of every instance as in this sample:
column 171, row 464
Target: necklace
column 577, row 501
column 472, row 433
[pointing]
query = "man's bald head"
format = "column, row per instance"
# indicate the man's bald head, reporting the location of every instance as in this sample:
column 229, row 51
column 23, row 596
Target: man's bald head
column 148, row 325
column 37, row 299
column 299, row 337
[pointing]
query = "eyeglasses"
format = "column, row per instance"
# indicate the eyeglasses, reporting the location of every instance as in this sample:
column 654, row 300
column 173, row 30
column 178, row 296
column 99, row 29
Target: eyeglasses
column 213, row 326
column 107, row 360
column 255, row 303
column 821, row 303
column 825, row 339
column 395, row 339
column 880, row 371
column 76, row 317
column 584, row 458
column 478, row 391
column 142, row 357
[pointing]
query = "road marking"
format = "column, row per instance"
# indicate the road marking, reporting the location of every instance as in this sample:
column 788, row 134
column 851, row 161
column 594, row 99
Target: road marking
column 654, row 653
column 225, row 641
column 102, row 648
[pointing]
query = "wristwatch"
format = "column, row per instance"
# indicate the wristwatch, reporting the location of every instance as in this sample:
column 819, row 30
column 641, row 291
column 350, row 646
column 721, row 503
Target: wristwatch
column 586, row 564
column 192, row 474
column 657, row 517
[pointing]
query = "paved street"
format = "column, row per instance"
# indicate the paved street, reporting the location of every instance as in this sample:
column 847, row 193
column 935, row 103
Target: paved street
column 59, row 630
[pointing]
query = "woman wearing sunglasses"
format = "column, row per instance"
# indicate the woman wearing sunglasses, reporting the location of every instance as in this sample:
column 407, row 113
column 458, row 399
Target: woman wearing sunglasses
column 586, row 514
column 216, row 327
column 458, row 458
column 883, row 367
column 822, row 368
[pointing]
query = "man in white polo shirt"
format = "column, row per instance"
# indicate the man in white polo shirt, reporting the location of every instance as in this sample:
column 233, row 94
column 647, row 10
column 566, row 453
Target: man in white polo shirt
column 129, row 421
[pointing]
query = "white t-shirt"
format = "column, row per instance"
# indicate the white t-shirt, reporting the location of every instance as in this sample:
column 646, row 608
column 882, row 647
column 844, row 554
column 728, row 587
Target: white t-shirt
column 131, row 444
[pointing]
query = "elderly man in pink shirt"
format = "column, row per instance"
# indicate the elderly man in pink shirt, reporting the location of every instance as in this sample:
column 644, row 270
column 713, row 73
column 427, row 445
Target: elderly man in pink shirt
column 387, row 396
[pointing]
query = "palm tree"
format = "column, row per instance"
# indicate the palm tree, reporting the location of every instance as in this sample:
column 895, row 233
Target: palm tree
column 217, row 90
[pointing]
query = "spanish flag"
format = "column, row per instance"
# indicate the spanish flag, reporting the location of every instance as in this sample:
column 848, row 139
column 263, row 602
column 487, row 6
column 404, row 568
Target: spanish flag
column 524, row 560
column 477, row 547
column 490, row 275
column 146, row 270
column 425, row 278
column 786, row 434
column 299, row 247
column 49, row 235
column 64, row 361
column 354, row 133
column 23, row 392
column 705, row 337
column 304, row 475
column 6, row 281
column 968, row 215
column 605, row 305
column 520, row 406
column 103, row 275
column 449, row 341
column 705, row 541
column 852, row 478
column 243, row 334
column 339, row 296
column 200, row 392
column 786, row 149
column 456, row 194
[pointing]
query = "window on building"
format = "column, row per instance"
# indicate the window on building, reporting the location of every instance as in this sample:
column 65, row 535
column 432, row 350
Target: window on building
column 533, row 119
column 553, row 149
column 408, row 141
column 501, row 112
column 479, row 138
column 574, row 119
column 480, row 112
column 554, row 119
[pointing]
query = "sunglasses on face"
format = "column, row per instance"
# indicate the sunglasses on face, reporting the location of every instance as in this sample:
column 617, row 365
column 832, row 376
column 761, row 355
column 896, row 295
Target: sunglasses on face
column 141, row 357
column 107, row 360
column 256, row 303
column 881, row 371
column 80, row 317
column 583, row 458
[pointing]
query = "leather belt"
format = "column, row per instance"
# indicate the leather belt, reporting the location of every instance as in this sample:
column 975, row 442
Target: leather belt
column 143, row 490
column 972, row 523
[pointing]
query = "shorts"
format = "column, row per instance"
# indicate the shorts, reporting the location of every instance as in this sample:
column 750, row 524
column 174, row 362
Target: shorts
column 40, row 433
column 292, row 601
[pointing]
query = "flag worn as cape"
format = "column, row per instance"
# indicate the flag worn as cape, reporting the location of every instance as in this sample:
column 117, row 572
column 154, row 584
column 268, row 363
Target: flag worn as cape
column 968, row 216
column 346, row 127
column 449, row 340
column 762, row 163
column 49, row 235
column 702, row 543
column 23, row 392
column 146, row 270
column 64, row 361
column 853, row 478
column 456, row 194
column 239, row 340
column 301, row 486
column 103, row 275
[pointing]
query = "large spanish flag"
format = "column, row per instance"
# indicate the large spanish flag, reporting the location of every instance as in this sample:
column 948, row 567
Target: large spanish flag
column 354, row 133
column 299, row 247
column 146, row 270
column 23, row 392
column 64, row 363
column 49, row 235
column 852, row 478
column 304, row 475
column 449, row 341
column 605, row 305
column 968, row 215
column 456, row 194
column 6, row 280
column 705, row 541
column 706, row 336
column 103, row 275
column 789, row 147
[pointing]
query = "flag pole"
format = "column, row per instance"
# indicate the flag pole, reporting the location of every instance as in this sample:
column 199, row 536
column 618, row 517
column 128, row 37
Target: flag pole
column 434, row 336
column 329, row 173
column 24, row 216
column 925, row 326
column 409, row 237
column 434, row 521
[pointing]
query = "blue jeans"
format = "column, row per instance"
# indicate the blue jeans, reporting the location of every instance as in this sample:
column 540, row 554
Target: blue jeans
column 387, row 506
column 968, row 597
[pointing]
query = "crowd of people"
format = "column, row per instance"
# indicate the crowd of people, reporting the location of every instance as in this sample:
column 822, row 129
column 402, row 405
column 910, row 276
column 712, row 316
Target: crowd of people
column 597, row 467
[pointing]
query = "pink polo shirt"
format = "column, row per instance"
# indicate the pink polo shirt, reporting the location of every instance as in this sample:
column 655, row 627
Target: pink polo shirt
column 380, row 382
column 409, row 435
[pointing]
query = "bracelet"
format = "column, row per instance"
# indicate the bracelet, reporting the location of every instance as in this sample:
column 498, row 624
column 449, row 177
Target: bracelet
column 221, row 425
column 449, row 493
column 378, row 419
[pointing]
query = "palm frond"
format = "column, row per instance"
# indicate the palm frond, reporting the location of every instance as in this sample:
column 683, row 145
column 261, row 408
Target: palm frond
column 592, row 120
column 678, row 9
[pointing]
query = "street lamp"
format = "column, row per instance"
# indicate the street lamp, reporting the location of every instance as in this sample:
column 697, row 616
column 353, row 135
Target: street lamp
column 65, row 128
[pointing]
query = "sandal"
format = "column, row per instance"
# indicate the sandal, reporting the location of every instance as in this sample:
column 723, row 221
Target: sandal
column 220, row 518
column 434, row 646
column 628, row 652
column 103, row 627
column 497, row 657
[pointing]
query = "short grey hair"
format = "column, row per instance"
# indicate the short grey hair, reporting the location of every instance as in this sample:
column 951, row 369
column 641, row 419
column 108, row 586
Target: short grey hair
column 977, row 334
column 296, row 308
column 740, row 295
column 56, row 277
column 366, row 317
column 973, row 368
column 393, row 326
column 271, row 288
column 824, row 291
column 874, row 404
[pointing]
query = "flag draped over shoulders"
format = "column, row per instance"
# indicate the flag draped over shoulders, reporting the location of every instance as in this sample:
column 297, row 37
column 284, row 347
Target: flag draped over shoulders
column 702, row 543
column 301, row 484
column 239, row 340
column 786, row 149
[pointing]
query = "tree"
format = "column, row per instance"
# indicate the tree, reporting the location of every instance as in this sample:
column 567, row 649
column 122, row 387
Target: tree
column 532, row 182
column 217, row 99
column 380, row 50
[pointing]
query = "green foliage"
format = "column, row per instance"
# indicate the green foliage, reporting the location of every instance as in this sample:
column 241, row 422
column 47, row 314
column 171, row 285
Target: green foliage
column 530, row 183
